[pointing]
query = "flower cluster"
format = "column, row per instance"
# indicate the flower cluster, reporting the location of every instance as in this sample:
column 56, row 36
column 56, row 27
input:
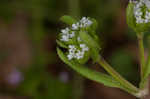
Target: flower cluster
column 70, row 33
column 142, row 11
column 75, row 51
column 67, row 34
column 84, row 22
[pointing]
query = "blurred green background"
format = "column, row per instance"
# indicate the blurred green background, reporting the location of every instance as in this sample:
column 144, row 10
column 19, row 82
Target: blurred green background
column 29, row 65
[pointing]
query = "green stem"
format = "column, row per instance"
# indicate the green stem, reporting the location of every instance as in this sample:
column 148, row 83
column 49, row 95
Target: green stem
column 144, row 67
column 144, row 84
column 146, row 71
column 145, row 80
column 141, row 52
column 147, row 68
column 117, row 76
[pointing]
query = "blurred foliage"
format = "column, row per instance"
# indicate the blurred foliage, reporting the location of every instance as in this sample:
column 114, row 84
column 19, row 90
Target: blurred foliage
column 123, row 62
column 39, row 85
column 3, row 54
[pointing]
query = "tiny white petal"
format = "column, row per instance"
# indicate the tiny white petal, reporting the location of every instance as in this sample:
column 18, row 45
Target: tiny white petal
column 79, row 39
column 69, row 57
column 84, row 22
column 65, row 38
column 75, row 26
column 82, row 45
column 72, row 34
column 79, row 54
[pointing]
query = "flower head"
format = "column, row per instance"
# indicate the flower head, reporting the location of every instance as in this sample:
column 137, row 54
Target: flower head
column 141, row 11
column 79, row 39
column 75, row 51
column 138, row 15
column 83, row 23
column 67, row 34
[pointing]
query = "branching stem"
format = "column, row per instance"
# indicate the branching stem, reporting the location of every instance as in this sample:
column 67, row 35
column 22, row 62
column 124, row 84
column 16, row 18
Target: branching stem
column 117, row 76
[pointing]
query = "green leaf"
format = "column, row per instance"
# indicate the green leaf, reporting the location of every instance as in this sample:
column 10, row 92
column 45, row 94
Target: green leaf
column 94, row 46
column 88, row 73
column 130, row 16
column 94, row 25
column 94, row 55
column 89, row 40
column 68, row 20
column 61, row 44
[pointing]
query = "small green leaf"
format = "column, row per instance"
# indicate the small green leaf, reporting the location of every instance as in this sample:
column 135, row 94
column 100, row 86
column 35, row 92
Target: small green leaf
column 61, row 44
column 94, row 25
column 88, row 73
column 68, row 20
column 130, row 16
column 89, row 40
column 92, row 43
column 94, row 55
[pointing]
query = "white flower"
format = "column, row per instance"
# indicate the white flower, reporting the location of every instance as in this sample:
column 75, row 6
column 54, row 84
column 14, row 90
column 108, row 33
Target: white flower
column 84, row 47
column 85, row 22
column 147, row 2
column 72, row 34
column 65, row 38
column 77, row 53
column 72, row 49
column 75, row 26
column 70, row 56
column 65, row 31
column 140, row 16
column 67, row 34
column 79, row 39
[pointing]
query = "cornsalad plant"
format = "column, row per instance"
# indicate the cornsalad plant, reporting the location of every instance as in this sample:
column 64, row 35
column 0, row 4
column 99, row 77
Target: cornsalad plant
column 79, row 42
